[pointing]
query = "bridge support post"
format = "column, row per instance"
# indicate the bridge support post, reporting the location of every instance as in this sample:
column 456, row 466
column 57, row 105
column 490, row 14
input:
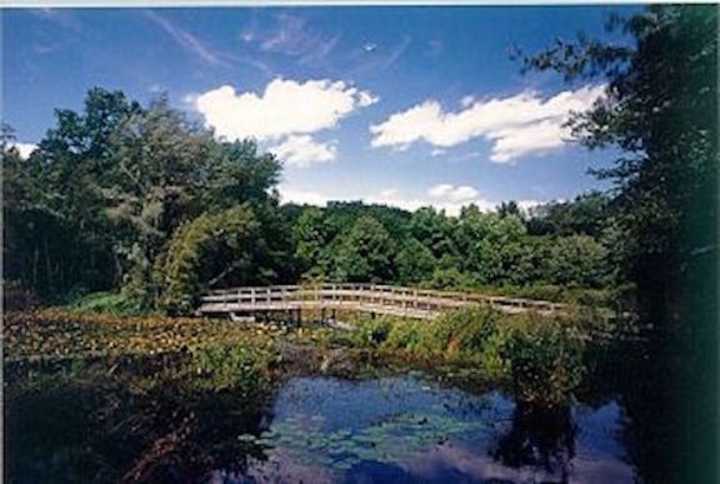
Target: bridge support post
column 322, row 315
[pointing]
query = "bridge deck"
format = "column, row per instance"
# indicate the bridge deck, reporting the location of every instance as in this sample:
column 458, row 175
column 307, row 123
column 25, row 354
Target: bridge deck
column 370, row 298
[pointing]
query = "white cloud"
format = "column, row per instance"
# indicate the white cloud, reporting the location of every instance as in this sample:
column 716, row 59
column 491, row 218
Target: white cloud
column 302, row 197
column 516, row 125
column 390, row 193
column 303, row 150
column 467, row 101
column 437, row 152
column 24, row 149
column 366, row 98
column 528, row 204
column 453, row 193
column 285, row 107
column 442, row 197
column 445, row 197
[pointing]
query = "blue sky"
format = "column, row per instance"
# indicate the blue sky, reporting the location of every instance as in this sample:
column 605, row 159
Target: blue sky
column 407, row 106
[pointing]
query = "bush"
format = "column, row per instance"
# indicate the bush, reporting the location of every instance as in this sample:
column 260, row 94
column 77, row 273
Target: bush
column 459, row 334
column 448, row 279
column 546, row 361
column 200, row 249
column 541, row 356
column 404, row 335
column 373, row 332
column 238, row 367
column 117, row 304
column 492, row 357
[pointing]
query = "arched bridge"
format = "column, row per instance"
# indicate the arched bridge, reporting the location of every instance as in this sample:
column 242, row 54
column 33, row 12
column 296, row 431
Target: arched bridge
column 369, row 298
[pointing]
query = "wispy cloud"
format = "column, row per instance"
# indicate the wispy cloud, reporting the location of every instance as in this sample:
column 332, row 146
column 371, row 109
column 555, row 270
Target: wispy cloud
column 378, row 58
column 186, row 40
column 199, row 49
column 293, row 37
column 435, row 48
column 62, row 17
column 321, row 52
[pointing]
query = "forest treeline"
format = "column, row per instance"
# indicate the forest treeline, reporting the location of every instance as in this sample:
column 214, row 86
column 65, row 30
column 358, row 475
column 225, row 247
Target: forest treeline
column 143, row 199
column 139, row 199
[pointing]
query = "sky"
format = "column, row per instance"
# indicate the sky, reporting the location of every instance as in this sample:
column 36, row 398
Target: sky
column 407, row 106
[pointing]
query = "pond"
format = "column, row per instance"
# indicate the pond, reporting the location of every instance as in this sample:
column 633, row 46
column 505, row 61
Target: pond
column 410, row 428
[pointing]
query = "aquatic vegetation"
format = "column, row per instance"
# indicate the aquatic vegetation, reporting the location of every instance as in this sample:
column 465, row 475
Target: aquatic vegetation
column 390, row 440
column 117, row 304
column 546, row 361
column 541, row 356
column 241, row 367
column 134, row 418
column 58, row 333
column 454, row 335
column 372, row 332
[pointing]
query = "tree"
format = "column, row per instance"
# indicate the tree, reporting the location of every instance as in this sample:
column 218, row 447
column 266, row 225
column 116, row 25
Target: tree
column 482, row 238
column 661, row 111
column 415, row 263
column 586, row 214
column 366, row 253
column 56, row 231
column 98, row 201
column 204, row 251
column 509, row 208
column 577, row 259
column 312, row 237
column 660, row 108
column 434, row 230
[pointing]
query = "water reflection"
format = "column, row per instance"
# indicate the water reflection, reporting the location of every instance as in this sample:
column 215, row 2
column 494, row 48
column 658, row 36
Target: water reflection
column 409, row 429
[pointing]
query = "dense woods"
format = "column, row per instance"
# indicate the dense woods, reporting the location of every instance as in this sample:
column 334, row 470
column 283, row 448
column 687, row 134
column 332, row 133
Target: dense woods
column 136, row 198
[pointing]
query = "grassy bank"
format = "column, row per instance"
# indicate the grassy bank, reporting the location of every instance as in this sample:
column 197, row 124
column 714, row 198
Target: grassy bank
column 540, row 357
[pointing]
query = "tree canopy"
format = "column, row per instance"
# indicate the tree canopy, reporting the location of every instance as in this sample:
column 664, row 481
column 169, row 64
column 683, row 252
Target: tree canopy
column 661, row 110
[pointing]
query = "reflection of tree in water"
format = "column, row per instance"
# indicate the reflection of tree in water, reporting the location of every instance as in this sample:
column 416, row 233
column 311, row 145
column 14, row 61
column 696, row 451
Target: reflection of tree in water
column 90, row 427
column 539, row 437
column 663, row 389
column 666, row 425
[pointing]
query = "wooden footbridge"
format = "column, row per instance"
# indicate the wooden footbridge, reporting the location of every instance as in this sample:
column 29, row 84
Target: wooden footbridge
column 368, row 298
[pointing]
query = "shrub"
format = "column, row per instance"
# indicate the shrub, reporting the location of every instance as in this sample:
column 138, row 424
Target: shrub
column 443, row 278
column 492, row 358
column 199, row 249
column 373, row 332
column 460, row 333
column 546, row 361
column 404, row 335
column 117, row 304
column 239, row 367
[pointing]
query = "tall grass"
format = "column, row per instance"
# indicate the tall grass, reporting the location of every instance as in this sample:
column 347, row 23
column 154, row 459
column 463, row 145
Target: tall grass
column 540, row 356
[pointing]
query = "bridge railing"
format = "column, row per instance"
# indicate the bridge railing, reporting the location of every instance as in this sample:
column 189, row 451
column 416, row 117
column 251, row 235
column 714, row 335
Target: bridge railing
column 339, row 294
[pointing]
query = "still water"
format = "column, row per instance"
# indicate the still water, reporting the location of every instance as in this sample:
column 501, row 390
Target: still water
column 410, row 429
